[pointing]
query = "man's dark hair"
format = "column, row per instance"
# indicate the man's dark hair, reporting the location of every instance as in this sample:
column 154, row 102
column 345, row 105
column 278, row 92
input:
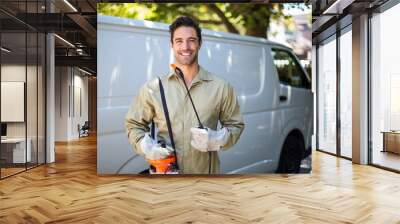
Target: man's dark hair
column 184, row 21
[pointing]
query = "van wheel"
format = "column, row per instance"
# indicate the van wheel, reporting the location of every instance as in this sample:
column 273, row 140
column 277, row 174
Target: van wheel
column 290, row 159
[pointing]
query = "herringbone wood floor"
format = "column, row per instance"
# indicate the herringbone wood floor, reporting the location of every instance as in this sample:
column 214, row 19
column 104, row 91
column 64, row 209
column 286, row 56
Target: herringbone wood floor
column 70, row 191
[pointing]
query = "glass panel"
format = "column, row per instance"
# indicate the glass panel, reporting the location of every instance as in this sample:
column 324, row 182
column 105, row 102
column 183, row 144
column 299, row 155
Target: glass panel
column 31, row 100
column 23, row 82
column 13, row 89
column 385, row 86
column 41, row 98
column 346, row 94
column 31, row 85
column 327, row 96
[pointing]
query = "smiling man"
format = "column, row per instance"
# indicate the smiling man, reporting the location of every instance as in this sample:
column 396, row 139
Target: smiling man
column 215, row 101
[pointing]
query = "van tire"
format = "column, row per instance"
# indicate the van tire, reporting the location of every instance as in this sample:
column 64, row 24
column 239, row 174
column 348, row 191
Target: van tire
column 291, row 155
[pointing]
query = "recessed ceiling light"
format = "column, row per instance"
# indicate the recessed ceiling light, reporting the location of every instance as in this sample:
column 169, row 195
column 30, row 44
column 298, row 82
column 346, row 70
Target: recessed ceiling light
column 70, row 5
column 86, row 72
column 64, row 40
column 337, row 7
column 5, row 50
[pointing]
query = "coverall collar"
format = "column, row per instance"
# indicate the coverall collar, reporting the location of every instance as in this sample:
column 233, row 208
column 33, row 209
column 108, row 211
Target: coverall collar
column 202, row 75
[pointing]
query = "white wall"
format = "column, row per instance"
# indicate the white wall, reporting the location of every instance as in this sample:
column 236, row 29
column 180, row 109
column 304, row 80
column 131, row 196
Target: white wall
column 79, row 117
column 62, row 81
column 70, row 84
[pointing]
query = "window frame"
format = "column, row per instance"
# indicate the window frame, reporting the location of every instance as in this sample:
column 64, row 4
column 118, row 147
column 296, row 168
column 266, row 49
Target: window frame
column 296, row 61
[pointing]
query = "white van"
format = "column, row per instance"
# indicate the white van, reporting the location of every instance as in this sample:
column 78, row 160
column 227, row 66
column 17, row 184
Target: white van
column 274, row 92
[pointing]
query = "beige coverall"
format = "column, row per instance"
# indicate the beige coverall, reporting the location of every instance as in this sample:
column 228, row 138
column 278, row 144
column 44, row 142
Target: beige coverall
column 214, row 100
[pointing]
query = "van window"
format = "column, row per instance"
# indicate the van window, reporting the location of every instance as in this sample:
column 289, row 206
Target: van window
column 289, row 70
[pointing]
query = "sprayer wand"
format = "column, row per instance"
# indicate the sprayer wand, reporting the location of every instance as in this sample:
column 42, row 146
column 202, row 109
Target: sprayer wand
column 179, row 72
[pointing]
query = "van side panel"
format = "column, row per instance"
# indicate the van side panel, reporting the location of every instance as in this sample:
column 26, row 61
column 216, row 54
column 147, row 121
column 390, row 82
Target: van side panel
column 120, row 75
column 296, row 112
column 248, row 68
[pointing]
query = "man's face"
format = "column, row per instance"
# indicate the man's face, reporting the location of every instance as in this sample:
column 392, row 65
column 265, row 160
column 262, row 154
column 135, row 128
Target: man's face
column 185, row 45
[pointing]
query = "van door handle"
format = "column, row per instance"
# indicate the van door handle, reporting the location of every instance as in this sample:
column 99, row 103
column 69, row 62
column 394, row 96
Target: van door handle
column 282, row 98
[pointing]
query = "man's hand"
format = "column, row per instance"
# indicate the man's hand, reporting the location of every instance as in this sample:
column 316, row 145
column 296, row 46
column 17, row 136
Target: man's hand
column 208, row 140
column 199, row 139
column 217, row 139
column 153, row 150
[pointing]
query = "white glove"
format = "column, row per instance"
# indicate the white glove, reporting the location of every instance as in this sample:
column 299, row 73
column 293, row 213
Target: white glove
column 208, row 140
column 199, row 139
column 153, row 150
column 216, row 139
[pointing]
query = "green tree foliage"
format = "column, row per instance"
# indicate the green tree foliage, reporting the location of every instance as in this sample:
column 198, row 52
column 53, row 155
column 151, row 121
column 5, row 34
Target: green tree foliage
column 246, row 19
